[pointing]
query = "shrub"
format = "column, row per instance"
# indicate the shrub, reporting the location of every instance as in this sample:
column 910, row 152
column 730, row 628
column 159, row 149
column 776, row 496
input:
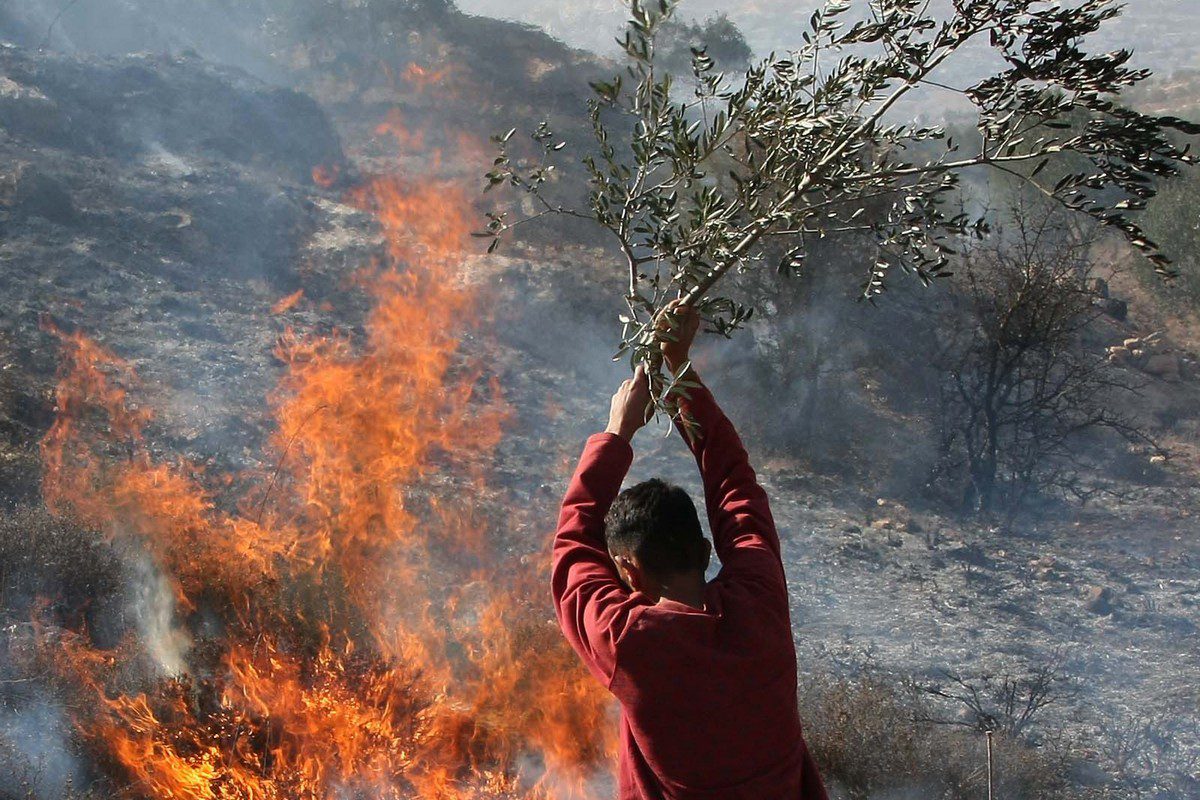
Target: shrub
column 870, row 734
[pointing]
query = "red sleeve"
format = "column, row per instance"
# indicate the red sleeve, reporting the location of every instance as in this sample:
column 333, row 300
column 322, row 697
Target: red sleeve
column 738, row 513
column 592, row 604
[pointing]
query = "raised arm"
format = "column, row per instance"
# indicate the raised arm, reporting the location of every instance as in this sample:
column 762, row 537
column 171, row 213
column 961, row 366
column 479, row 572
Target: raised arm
column 738, row 512
column 590, row 601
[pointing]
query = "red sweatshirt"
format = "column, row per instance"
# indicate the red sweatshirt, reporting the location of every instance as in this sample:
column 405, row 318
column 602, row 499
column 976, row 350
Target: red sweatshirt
column 708, row 698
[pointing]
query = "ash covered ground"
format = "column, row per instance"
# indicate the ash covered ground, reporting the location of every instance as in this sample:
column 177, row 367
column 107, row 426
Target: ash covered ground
column 165, row 205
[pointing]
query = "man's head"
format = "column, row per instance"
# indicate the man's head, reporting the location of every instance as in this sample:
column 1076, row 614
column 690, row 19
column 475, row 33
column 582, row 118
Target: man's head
column 654, row 537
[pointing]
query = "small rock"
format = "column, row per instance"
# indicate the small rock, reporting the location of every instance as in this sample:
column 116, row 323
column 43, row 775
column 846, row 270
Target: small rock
column 1119, row 355
column 1098, row 600
column 40, row 195
column 1117, row 309
column 971, row 554
column 1163, row 365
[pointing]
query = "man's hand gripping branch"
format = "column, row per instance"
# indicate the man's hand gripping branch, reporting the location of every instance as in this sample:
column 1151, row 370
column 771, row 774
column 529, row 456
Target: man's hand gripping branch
column 631, row 406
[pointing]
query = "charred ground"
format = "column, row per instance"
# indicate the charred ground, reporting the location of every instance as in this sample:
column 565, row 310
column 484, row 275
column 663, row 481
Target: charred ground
column 164, row 204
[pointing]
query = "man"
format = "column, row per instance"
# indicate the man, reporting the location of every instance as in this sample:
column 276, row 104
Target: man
column 705, row 672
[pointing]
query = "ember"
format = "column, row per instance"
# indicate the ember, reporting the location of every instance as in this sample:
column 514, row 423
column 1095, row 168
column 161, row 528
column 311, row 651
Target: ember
column 346, row 627
column 287, row 303
column 326, row 176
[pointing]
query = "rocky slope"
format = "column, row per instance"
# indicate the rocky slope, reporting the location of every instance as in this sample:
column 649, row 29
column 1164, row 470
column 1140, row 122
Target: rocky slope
column 165, row 205
column 160, row 203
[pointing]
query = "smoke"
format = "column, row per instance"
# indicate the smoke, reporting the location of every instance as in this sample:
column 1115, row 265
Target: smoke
column 1160, row 31
column 817, row 401
column 240, row 34
column 152, row 606
column 160, row 158
column 534, row 772
column 34, row 753
column 226, row 33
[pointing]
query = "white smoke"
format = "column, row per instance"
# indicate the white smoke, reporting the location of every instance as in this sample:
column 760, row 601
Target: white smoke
column 152, row 606
column 35, row 759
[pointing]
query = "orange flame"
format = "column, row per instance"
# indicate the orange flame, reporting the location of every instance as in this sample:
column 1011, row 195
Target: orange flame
column 393, row 125
column 423, row 78
column 326, row 176
column 363, row 636
column 288, row 302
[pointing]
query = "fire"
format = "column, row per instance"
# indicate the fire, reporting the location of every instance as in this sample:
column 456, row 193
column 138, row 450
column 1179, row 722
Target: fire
column 438, row 145
column 287, row 302
column 326, row 176
column 348, row 626
column 423, row 78
column 394, row 126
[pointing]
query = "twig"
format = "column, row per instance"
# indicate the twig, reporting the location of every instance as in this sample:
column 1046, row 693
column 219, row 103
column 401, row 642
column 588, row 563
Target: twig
column 53, row 22
column 262, row 507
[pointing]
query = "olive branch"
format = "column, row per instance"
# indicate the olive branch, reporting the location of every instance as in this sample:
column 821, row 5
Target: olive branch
column 693, row 184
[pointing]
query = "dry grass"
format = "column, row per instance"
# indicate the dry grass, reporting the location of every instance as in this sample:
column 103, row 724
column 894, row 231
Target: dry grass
column 52, row 562
column 867, row 735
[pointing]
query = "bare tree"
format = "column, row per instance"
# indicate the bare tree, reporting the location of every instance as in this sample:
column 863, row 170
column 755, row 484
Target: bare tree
column 1023, row 390
column 1007, row 703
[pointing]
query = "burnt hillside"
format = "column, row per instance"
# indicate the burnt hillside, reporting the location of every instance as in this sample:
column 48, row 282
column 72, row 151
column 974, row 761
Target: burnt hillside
column 234, row 255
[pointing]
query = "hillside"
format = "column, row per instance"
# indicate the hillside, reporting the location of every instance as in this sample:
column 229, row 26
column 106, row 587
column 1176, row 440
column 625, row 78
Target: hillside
column 315, row 412
column 1162, row 32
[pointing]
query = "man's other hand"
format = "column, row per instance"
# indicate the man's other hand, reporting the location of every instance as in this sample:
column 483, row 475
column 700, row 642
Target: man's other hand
column 630, row 408
column 680, row 323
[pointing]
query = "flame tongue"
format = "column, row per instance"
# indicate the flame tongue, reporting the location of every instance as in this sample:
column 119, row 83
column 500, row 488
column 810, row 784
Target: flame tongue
column 367, row 643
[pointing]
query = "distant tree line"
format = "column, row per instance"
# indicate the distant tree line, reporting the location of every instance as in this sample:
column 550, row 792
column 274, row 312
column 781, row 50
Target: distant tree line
column 717, row 36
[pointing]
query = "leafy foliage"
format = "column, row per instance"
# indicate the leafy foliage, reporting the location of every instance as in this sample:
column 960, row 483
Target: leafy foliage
column 795, row 149
column 1168, row 221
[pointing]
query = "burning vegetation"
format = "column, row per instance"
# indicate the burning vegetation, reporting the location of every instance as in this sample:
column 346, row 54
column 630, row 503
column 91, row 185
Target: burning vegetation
column 354, row 607
column 342, row 624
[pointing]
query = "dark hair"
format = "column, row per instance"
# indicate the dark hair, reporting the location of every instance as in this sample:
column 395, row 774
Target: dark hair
column 657, row 522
